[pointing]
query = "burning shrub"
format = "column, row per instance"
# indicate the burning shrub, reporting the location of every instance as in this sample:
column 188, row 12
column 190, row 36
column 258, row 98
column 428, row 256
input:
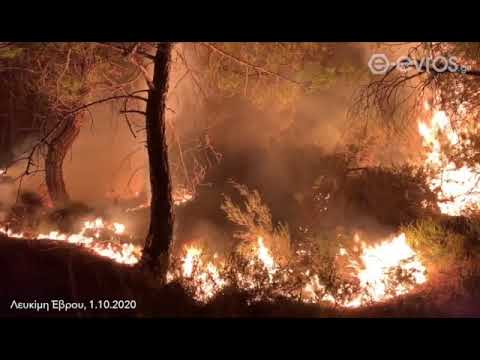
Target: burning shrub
column 256, row 222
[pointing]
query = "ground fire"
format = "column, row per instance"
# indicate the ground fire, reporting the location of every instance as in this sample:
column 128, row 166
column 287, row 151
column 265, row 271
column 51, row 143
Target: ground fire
column 373, row 269
column 90, row 237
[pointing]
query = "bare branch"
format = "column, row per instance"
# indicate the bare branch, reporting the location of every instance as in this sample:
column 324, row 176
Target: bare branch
column 133, row 175
column 67, row 64
column 10, row 68
column 192, row 74
column 116, row 97
column 133, row 112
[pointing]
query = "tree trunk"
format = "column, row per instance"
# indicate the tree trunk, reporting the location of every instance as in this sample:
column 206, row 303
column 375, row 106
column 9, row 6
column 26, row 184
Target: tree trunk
column 156, row 253
column 58, row 147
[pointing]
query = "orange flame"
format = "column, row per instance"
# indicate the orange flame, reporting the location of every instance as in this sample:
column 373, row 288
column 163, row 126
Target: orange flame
column 121, row 253
column 456, row 185
column 373, row 272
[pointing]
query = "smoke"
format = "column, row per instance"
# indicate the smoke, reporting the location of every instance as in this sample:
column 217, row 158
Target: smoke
column 103, row 159
column 10, row 177
column 7, row 195
column 106, row 161
column 258, row 145
column 274, row 152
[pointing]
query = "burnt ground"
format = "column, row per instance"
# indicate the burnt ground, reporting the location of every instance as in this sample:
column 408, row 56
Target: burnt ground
column 43, row 270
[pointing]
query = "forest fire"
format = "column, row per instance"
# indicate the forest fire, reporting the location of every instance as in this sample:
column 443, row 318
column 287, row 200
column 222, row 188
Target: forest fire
column 457, row 185
column 217, row 178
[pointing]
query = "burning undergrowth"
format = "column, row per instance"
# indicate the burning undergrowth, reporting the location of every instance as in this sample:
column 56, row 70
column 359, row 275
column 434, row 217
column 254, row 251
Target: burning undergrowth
column 291, row 252
column 267, row 263
column 348, row 279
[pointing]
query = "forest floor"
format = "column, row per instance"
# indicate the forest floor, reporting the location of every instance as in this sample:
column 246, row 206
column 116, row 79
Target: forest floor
column 42, row 271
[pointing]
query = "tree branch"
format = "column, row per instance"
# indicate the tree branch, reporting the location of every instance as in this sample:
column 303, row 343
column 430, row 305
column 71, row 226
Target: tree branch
column 253, row 66
column 133, row 112
column 116, row 97
column 123, row 50
column 10, row 68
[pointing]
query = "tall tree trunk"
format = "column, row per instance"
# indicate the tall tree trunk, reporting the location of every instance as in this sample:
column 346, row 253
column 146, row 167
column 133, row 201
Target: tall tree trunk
column 58, row 147
column 156, row 253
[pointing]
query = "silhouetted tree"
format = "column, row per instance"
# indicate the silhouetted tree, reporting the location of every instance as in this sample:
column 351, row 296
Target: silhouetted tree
column 62, row 77
column 160, row 234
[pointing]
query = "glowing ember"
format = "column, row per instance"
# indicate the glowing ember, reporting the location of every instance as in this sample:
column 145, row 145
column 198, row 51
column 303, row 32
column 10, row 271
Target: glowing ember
column 457, row 185
column 179, row 198
column 139, row 207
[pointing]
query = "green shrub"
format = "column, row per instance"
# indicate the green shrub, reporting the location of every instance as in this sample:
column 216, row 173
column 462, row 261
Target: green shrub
column 436, row 242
